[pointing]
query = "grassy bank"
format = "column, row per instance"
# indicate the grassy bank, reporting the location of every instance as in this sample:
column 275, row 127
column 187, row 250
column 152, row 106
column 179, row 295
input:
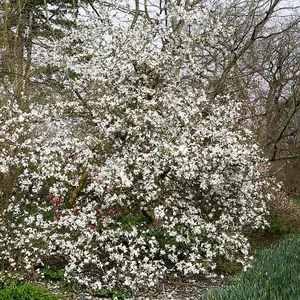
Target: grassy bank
column 275, row 275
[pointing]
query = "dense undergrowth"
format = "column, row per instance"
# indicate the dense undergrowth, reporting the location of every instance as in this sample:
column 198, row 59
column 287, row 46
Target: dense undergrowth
column 274, row 275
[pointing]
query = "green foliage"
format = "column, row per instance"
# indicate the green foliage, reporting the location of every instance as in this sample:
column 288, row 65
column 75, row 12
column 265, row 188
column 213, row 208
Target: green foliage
column 297, row 200
column 133, row 219
column 6, row 278
column 274, row 275
column 229, row 267
column 66, row 286
column 113, row 294
column 25, row 291
column 71, row 74
column 52, row 273
column 276, row 227
column 57, row 274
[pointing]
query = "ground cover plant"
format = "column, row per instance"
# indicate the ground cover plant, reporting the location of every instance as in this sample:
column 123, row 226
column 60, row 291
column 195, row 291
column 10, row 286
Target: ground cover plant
column 141, row 172
column 24, row 291
column 274, row 275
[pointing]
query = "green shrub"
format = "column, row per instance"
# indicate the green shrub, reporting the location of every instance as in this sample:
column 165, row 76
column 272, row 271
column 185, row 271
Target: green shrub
column 52, row 273
column 25, row 291
column 133, row 219
column 111, row 294
column 277, row 228
column 56, row 274
column 274, row 275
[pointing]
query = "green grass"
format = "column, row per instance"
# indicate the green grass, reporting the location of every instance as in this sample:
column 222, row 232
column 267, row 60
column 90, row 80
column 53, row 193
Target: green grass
column 25, row 291
column 274, row 275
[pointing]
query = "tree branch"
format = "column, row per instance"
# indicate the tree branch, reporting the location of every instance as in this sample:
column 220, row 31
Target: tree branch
column 75, row 193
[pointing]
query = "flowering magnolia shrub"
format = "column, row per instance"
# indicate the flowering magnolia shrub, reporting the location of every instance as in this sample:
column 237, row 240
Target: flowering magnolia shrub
column 140, row 174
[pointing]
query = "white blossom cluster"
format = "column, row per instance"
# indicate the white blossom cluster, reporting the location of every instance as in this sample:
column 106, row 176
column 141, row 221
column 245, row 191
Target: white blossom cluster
column 153, row 143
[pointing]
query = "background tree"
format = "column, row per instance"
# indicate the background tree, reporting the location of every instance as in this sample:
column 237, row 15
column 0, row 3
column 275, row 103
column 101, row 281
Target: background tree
column 24, row 26
column 259, row 63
